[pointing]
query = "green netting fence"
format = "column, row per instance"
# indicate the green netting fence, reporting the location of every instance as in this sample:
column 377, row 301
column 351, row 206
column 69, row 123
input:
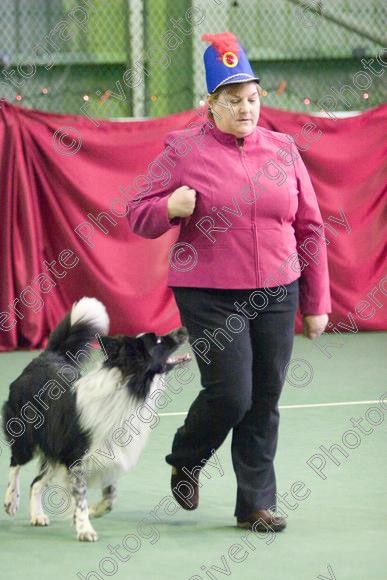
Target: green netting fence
column 143, row 58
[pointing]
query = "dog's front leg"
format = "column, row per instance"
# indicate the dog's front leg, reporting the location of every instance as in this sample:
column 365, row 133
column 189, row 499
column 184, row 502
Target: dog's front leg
column 84, row 530
column 12, row 495
column 38, row 487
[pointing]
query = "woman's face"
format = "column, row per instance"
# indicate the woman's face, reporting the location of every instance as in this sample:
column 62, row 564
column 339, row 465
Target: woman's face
column 236, row 109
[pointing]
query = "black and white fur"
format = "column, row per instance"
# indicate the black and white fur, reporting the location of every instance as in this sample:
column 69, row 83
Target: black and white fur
column 89, row 410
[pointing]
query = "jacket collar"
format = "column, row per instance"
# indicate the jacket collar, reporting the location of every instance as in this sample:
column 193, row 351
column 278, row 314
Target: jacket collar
column 230, row 140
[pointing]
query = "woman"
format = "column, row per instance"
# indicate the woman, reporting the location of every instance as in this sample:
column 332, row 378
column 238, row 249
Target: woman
column 245, row 206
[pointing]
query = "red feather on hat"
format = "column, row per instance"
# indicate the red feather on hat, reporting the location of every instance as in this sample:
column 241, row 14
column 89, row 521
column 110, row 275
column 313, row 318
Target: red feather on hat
column 223, row 42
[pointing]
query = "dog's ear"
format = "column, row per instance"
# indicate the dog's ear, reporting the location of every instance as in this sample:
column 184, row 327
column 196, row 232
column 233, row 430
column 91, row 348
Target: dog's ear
column 110, row 346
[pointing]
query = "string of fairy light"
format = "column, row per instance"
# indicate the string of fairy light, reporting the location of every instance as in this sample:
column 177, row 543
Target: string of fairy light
column 102, row 97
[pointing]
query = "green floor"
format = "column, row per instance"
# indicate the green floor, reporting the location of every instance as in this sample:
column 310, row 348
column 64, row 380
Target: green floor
column 338, row 532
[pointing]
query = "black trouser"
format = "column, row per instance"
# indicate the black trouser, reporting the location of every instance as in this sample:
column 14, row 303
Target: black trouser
column 241, row 384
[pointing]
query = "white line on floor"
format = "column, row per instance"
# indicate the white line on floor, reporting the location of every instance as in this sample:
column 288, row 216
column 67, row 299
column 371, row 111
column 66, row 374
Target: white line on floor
column 311, row 405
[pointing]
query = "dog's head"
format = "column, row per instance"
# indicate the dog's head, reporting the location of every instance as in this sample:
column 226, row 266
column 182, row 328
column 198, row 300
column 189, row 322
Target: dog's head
column 161, row 348
column 142, row 357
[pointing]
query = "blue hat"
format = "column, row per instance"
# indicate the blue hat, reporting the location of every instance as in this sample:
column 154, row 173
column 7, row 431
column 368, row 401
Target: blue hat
column 226, row 62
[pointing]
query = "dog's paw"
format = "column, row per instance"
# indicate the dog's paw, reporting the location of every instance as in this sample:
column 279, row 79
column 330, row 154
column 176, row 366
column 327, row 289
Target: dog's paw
column 87, row 535
column 40, row 520
column 11, row 501
column 100, row 509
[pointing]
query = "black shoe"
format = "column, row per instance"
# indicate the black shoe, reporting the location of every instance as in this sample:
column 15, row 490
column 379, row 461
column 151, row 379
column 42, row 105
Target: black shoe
column 184, row 489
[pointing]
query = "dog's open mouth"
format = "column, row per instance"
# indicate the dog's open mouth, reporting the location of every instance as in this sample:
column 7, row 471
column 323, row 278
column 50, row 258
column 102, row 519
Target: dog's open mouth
column 179, row 359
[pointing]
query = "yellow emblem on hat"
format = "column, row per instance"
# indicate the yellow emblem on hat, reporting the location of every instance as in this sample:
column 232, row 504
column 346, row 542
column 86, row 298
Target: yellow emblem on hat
column 230, row 59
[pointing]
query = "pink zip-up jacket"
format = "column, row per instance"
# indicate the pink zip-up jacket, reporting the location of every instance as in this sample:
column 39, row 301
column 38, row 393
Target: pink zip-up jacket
column 256, row 222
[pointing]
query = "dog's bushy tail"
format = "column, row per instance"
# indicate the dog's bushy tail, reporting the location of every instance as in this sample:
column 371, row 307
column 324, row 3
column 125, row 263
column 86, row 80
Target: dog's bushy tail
column 86, row 319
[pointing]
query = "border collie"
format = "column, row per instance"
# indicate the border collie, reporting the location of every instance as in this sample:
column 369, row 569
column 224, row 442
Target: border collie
column 79, row 432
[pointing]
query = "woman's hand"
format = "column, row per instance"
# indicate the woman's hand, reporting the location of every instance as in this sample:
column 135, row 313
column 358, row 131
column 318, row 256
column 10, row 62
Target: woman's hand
column 181, row 203
column 314, row 325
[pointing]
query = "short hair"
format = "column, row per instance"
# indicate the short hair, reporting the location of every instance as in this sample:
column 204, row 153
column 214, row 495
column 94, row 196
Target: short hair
column 223, row 88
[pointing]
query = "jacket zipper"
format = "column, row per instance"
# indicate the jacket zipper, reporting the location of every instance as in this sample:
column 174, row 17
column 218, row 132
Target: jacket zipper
column 253, row 214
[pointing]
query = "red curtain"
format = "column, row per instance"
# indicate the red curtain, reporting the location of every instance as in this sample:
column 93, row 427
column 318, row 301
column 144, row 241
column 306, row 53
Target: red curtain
column 51, row 187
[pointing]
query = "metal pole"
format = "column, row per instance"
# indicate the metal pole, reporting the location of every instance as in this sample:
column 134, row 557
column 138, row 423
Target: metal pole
column 136, row 31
